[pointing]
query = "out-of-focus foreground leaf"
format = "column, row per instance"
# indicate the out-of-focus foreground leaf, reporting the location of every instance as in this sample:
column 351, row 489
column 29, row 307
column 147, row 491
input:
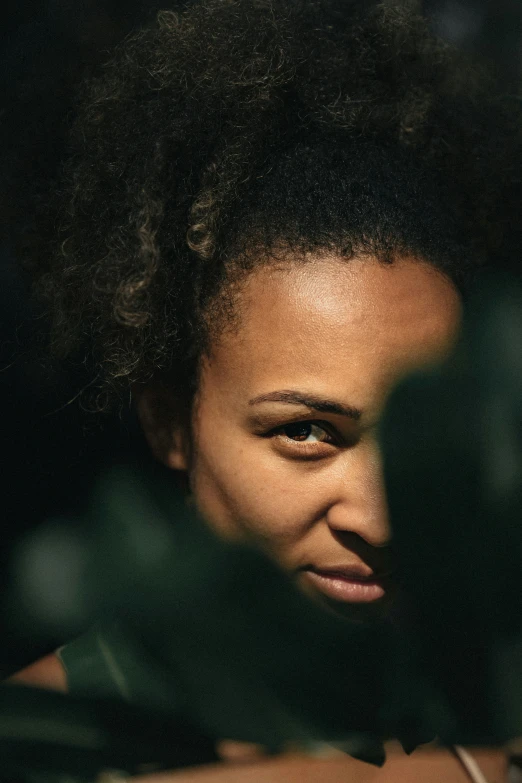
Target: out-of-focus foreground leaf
column 45, row 734
column 225, row 634
column 453, row 454
column 216, row 637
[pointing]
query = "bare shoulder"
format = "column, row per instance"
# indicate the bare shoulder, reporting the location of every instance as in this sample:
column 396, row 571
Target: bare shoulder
column 47, row 673
column 422, row 767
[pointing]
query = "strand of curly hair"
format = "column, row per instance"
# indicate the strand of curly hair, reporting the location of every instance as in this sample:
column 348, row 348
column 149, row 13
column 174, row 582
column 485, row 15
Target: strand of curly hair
column 233, row 128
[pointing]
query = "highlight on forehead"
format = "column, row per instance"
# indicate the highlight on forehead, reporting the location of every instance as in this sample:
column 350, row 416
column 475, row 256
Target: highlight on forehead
column 224, row 313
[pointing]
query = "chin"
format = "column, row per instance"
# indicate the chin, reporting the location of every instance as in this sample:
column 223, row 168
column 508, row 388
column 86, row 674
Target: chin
column 369, row 614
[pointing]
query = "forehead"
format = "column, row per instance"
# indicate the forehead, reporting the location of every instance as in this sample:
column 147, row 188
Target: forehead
column 347, row 329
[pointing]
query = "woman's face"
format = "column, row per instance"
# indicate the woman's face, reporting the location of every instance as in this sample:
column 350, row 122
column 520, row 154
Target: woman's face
column 285, row 448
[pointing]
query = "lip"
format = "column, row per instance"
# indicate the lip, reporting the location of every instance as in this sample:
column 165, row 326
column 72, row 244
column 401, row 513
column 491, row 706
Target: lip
column 350, row 585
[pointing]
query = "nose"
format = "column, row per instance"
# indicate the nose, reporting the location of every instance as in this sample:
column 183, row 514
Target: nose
column 359, row 505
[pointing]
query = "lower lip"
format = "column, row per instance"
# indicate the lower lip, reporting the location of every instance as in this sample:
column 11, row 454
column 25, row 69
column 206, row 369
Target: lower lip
column 350, row 590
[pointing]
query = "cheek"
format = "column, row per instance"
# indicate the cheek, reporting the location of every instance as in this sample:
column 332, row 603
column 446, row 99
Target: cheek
column 245, row 490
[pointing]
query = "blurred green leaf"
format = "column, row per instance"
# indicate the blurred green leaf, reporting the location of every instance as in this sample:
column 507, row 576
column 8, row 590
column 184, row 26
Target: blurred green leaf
column 453, row 453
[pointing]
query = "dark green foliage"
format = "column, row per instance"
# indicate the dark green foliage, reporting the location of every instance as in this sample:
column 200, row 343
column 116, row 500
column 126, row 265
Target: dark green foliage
column 44, row 735
column 453, row 448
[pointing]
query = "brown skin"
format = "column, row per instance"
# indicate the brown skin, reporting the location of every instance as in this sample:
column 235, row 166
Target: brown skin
column 329, row 331
column 335, row 331
column 433, row 766
column 46, row 673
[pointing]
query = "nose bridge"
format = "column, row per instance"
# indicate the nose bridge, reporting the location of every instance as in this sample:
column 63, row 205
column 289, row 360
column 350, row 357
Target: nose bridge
column 361, row 506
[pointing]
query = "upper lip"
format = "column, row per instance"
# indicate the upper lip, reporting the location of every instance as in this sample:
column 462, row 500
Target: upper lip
column 361, row 573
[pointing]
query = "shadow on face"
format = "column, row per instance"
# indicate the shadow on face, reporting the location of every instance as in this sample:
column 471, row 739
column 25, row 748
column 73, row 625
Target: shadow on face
column 283, row 443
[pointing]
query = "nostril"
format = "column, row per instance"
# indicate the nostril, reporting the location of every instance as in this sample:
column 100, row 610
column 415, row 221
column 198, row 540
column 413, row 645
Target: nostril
column 347, row 523
column 379, row 553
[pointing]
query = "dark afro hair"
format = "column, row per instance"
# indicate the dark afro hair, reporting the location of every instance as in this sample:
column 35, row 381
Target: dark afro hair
column 236, row 131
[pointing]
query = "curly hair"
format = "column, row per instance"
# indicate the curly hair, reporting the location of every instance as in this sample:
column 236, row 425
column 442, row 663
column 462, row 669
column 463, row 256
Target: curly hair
column 239, row 131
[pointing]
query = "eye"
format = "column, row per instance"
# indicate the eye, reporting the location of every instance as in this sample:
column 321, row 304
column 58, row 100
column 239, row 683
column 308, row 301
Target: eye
column 307, row 440
column 306, row 432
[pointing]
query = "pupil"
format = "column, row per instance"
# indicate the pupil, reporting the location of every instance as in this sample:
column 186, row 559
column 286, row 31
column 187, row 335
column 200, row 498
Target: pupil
column 298, row 431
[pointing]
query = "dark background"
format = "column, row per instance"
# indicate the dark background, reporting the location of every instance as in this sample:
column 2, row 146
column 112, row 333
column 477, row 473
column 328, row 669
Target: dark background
column 51, row 449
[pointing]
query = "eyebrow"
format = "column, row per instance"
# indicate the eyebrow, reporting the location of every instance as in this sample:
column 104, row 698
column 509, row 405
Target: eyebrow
column 310, row 401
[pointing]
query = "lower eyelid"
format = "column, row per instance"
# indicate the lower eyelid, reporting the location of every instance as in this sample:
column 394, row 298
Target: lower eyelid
column 292, row 449
column 303, row 444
